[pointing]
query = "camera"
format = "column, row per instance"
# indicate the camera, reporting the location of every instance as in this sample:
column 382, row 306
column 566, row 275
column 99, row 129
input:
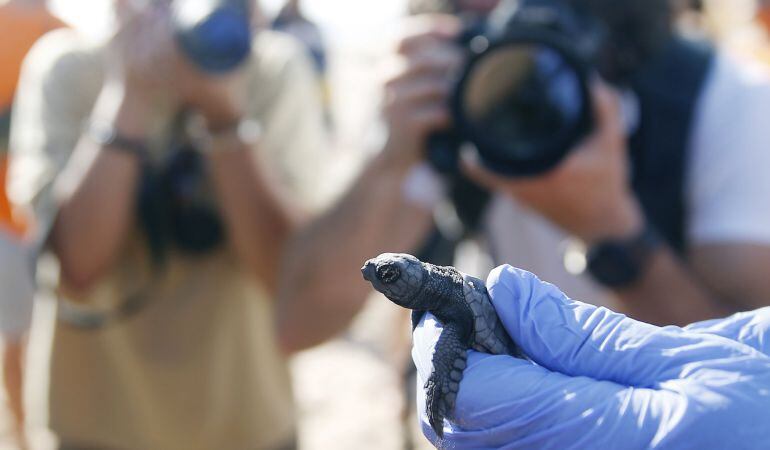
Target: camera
column 215, row 35
column 523, row 98
column 176, row 206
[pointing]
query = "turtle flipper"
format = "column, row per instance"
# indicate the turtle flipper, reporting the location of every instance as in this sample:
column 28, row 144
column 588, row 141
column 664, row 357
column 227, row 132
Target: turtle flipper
column 449, row 361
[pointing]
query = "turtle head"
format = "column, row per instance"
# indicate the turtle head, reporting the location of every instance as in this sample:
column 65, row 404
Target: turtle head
column 397, row 276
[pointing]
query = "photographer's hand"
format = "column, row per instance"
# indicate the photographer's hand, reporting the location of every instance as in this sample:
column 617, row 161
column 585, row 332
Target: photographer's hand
column 417, row 90
column 589, row 195
column 220, row 98
column 601, row 380
column 258, row 213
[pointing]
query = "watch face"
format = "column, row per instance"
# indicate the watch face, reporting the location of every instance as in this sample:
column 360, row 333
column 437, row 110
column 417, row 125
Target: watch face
column 618, row 264
column 613, row 265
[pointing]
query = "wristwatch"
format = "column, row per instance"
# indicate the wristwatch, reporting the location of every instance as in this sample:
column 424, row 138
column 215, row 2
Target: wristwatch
column 620, row 263
column 106, row 135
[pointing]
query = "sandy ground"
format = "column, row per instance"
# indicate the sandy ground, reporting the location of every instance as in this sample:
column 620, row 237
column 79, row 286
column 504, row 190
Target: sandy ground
column 350, row 391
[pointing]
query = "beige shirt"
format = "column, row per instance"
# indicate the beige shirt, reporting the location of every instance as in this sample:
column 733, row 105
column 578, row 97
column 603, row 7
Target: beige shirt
column 198, row 367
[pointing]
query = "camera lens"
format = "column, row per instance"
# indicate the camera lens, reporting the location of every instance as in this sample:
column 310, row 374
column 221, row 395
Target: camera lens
column 215, row 35
column 524, row 105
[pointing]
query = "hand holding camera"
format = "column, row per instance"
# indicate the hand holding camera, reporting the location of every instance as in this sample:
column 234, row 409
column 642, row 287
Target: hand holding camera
column 218, row 98
column 213, row 41
column 417, row 90
column 588, row 194
column 523, row 88
column 187, row 53
column 139, row 70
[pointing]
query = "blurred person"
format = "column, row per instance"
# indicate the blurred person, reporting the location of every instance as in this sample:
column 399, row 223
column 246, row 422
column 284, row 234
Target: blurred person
column 166, row 188
column 707, row 254
column 683, row 224
column 664, row 200
column 22, row 22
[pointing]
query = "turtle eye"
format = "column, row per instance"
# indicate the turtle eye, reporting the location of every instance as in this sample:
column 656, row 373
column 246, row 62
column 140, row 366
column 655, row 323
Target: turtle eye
column 388, row 273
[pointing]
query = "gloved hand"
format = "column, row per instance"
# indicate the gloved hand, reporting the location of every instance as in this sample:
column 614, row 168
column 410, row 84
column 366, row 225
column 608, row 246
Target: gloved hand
column 600, row 380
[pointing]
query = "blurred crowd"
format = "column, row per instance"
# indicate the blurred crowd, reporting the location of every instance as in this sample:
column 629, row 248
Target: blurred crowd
column 175, row 188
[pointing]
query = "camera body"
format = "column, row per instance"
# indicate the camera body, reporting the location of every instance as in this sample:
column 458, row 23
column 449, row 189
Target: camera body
column 523, row 98
column 215, row 35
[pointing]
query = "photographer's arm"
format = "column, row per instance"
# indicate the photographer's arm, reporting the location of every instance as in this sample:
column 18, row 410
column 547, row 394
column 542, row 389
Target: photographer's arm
column 739, row 274
column 673, row 292
column 719, row 279
column 96, row 193
column 86, row 193
column 259, row 220
column 322, row 289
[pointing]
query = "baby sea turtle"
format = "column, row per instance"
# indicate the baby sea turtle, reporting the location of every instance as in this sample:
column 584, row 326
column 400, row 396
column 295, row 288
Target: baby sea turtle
column 460, row 302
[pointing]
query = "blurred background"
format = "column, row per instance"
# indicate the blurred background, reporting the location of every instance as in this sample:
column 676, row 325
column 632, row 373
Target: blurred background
column 351, row 391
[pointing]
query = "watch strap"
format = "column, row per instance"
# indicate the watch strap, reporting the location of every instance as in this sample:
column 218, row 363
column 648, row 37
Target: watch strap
column 108, row 136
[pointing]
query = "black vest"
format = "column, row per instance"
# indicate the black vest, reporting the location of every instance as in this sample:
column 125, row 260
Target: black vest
column 668, row 90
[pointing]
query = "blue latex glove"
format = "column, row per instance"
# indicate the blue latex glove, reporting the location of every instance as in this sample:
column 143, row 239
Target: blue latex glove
column 599, row 380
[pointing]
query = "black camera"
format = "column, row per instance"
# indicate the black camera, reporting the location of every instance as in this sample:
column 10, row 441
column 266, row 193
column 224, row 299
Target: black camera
column 215, row 35
column 176, row 205
column 523, row 98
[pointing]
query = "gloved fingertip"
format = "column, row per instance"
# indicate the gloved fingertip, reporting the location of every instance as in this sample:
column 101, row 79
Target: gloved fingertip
column 509, row 278
column 512, row 290
column 539, row 317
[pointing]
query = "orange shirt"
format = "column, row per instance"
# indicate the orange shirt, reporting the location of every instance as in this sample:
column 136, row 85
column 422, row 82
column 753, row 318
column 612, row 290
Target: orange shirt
column 14, row 223
column 21, row 26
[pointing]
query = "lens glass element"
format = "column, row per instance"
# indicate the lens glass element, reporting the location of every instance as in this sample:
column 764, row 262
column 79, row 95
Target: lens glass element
column 520, row 99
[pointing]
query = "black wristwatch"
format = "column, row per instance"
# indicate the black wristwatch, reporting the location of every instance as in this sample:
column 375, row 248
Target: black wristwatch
column 106, row 135
column 619, row 263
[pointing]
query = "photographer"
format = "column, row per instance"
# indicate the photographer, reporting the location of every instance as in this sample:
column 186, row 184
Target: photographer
column 675, row 225
column 677, row 195
column 167, row 209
